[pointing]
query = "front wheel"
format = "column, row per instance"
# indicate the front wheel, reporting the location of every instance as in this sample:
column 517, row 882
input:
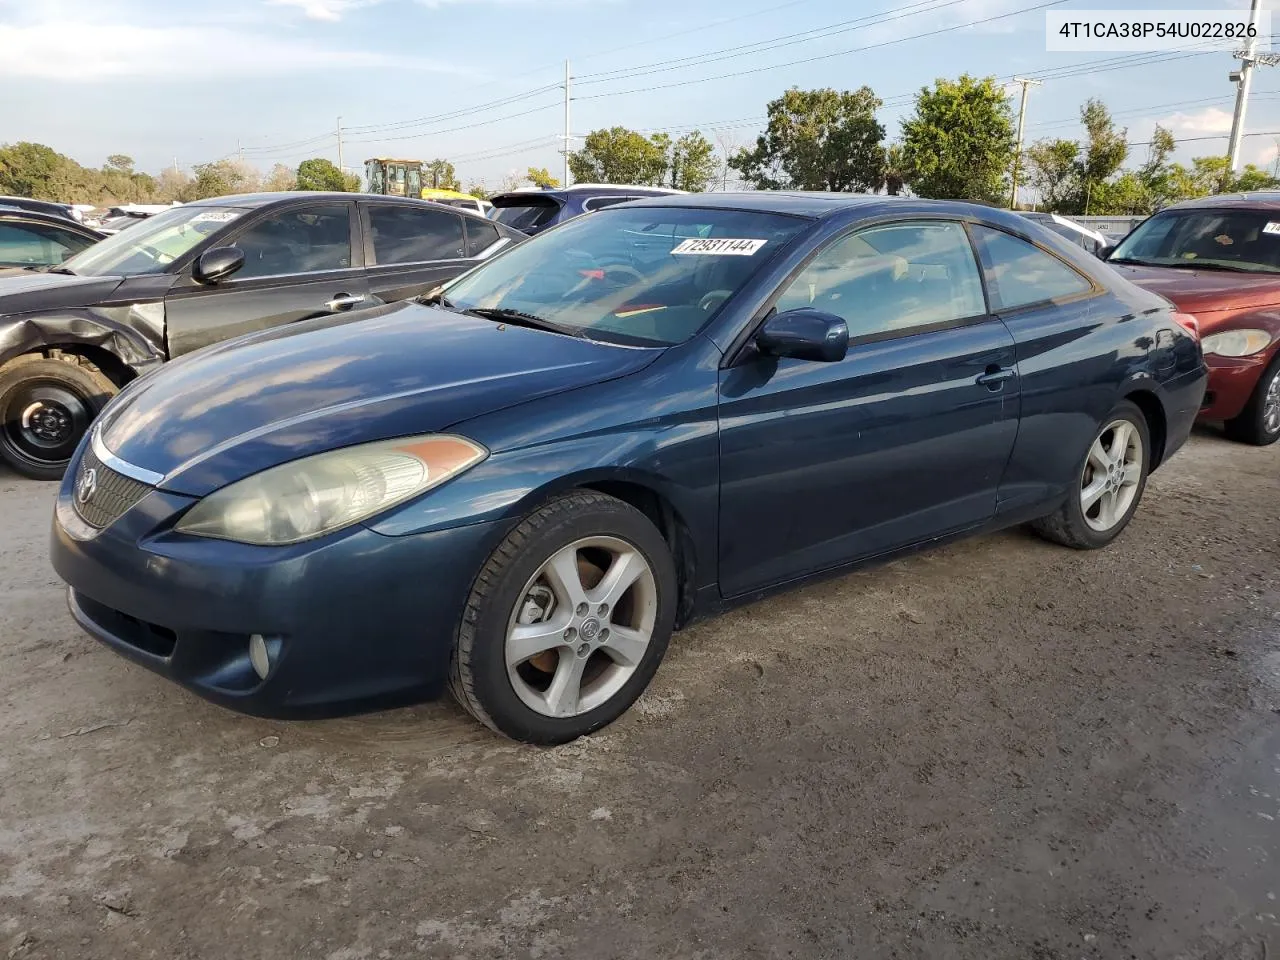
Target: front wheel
column 1108, row 484
column 567, row 622
column 1259, row 422
column 45, row 408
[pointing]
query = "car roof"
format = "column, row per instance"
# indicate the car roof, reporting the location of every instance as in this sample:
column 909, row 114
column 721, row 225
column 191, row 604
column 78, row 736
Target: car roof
column 251, row 200
column 254, row 201
column 818, row 206
column 39, row 216
column 1257, row 200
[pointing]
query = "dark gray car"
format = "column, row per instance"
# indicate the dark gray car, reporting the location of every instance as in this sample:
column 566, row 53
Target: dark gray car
column 72, row 335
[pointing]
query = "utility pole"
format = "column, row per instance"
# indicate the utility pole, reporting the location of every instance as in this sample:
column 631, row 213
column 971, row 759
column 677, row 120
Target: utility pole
column 1022, row 119
column 239, row 151
column 566, row 123
column 339, row 143
column 1242, row 78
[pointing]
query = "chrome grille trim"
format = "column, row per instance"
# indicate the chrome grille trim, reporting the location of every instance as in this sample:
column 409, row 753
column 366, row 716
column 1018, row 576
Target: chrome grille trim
column 105, row 456
column 112, row 494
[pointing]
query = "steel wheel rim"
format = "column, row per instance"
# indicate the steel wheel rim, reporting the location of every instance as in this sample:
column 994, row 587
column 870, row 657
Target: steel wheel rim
column 571, row 655
column 1271, row 405
column 1112, row 472
column 43, row 420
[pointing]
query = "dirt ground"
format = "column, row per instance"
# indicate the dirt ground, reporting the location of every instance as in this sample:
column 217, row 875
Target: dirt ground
column 997, row 749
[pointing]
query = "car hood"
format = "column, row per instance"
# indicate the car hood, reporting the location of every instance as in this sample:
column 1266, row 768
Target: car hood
column 22, row 291
column 1206, row 291
column 223, row 413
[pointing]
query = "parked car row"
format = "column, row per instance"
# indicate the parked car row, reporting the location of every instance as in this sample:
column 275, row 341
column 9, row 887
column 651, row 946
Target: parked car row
column 517, row 486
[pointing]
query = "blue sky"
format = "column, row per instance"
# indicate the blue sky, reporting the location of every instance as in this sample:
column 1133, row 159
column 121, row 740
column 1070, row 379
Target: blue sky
column 159, row 79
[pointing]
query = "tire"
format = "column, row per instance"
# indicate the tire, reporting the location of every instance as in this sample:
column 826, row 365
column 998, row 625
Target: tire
column 1072, row 524
column 518, row 605
column 45, row 408
column 1259, row 421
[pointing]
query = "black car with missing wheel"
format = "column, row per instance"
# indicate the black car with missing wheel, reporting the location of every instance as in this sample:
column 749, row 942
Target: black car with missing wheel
column 73, row 334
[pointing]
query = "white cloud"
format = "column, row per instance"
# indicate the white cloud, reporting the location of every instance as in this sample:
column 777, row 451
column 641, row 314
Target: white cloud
column 115, row 50
column 1206, row 122
column 327, row 10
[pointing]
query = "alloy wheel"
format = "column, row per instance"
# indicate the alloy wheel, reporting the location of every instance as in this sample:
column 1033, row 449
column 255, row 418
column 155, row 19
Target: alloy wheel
column 581, row 626
column 1112, row 472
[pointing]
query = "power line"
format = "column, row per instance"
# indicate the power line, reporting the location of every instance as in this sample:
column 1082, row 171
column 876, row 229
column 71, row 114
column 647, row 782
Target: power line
column 465, row 126
column 827, row 56
column 786, row 40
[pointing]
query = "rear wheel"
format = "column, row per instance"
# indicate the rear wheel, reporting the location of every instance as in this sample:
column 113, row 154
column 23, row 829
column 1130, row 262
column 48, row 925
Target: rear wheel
column 1259, row 422
column 1109, row 484
column 567, row 622
column 45, row 408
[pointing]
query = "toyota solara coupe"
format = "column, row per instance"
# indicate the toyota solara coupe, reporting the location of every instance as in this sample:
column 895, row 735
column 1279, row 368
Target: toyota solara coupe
column 518, row 488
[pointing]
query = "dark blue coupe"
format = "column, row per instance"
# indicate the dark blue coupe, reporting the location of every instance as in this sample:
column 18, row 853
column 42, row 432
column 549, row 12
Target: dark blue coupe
column 519, row 489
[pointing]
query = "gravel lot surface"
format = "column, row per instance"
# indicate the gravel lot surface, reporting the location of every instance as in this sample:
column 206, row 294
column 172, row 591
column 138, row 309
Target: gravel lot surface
column 996, row 749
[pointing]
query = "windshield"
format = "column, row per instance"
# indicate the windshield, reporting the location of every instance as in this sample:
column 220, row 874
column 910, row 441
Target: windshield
column 526, row 217
column 1229, row 239
column 150, row 245
column 640, row 275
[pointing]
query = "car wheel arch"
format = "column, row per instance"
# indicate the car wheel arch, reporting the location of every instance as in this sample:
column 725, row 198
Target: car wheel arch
column 1153, row 411
column 646, row 494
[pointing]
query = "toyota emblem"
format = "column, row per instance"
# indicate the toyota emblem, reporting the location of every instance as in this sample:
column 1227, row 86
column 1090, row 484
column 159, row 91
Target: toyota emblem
column 87, row 486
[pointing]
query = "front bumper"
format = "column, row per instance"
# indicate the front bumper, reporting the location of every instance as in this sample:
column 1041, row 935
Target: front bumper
column 355, row 620
column 1232, row 381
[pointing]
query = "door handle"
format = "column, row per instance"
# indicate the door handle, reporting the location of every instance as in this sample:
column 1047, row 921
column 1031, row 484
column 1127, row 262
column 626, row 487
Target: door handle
column 341, row 301
column 995, row 377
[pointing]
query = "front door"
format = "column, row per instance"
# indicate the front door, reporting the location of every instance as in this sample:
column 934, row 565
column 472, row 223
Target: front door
column 904, row 440
column 299, row 263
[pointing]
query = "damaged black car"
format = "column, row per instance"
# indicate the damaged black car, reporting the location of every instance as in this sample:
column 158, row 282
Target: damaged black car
column 73, row 334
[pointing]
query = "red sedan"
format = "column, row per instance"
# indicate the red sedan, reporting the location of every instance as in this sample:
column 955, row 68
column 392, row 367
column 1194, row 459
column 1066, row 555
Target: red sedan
column 1218, row 259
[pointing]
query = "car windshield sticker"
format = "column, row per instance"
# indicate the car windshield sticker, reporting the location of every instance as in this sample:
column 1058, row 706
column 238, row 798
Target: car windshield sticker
column 215, row 216
column 1272, row 227
column 721, row 246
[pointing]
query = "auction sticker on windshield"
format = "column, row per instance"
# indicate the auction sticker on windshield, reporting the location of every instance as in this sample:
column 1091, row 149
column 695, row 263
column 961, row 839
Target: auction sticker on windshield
column 721, row 246
column 216, row 216
column 1271, row 227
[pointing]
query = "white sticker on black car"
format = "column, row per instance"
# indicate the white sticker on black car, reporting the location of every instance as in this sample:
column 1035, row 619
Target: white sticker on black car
column 721, row 247
column 1272, row 227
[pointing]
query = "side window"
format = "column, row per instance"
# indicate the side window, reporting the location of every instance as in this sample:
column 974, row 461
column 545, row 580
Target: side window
column 413, row 235
column 480, row 236
column 30, row 244
column 1020, row 273
column 894, row 277
column 297, row 240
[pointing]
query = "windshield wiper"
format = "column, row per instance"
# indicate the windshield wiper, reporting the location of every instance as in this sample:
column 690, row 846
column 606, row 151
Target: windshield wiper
column 1133, row 261
column 1209, row 265
column 521, row 319
column 62, row 270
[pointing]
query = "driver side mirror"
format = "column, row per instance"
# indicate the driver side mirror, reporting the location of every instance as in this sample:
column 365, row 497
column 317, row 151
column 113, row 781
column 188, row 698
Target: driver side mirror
column 217, row 264
column 1104, row 250
column 805, row 334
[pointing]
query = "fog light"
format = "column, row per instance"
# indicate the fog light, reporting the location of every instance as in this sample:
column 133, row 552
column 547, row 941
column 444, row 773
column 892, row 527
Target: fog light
column 259, row 657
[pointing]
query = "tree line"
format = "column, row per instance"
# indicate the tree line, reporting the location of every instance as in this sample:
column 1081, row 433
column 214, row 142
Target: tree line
column 959, row 142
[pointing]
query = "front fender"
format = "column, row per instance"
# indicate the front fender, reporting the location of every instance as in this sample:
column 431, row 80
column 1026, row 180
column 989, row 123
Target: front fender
column 128, row 332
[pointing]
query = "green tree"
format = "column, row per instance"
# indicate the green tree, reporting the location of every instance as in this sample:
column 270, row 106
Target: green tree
column 216, row 179
column 280, row 179
column 171, row 185
column 1105, row 150
column 440, row 175
column 1125, row 194
column 1051, row 170
column 817, row 140
column 33, row 170
column 1155, row 173
column 121, row 162
column 478, row 189
column 320, row 174
column 959, row 143
column 693, row 164
column 619, row 155
column 1251, row 178
column 895, row 170
column 541, row 177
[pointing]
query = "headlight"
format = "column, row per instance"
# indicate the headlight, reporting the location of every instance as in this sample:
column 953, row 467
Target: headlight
column 1237, row 343
column 317, row 495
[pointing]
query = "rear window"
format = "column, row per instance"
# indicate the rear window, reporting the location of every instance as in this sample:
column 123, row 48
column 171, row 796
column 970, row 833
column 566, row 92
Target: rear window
column 1247, row 240
column 526, row 215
